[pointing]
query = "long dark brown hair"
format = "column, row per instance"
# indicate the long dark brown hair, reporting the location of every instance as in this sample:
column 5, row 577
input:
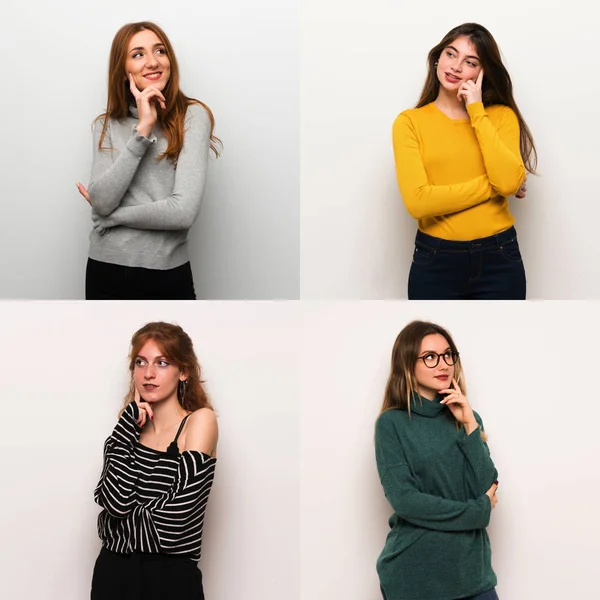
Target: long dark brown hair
column 497, row 86
column 178, row 348
column 402, row 384
column 172, row 119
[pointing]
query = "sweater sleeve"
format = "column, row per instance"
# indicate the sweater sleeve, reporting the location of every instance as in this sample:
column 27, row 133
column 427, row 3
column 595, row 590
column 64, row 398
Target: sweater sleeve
column 480, row 471
column 409, row 503
column 111, row 177
column 500, row 148
column 421, row 199
column 115, row 490
column 179, row 210
column 181, row 503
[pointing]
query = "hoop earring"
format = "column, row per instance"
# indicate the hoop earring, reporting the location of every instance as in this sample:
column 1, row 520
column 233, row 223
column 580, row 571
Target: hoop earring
column 435, row 64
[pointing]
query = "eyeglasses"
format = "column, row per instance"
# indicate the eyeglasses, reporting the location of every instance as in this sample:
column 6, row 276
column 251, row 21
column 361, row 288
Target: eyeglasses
column 432, row 359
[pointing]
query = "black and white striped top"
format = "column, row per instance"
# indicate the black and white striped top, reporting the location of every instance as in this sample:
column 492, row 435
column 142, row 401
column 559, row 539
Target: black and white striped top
column 153, row 501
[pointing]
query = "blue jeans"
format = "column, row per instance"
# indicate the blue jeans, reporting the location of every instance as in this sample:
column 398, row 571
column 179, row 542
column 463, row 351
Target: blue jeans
column 489, row 595
column 489, row 268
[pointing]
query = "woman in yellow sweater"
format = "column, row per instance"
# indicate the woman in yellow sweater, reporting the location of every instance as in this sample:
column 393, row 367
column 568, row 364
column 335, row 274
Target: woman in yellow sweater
column 459, row 155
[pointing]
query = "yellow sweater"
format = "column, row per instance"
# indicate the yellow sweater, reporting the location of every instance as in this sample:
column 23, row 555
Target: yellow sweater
column 455, row 175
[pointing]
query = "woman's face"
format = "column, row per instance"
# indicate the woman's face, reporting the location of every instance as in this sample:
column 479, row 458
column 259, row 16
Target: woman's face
column 147, row 61
column 458, row 62
column 155, row 377
column 430, row 380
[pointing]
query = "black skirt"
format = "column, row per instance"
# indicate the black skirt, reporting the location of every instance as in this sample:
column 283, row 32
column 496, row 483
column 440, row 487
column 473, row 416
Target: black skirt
column 141, row 576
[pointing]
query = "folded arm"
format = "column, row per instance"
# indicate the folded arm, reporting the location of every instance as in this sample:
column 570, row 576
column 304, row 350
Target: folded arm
column 115, row 490
column 480, row 471
column 500, row 147
column 180, row 209
column 423, row 200
column 111, row 177
column 421, row 509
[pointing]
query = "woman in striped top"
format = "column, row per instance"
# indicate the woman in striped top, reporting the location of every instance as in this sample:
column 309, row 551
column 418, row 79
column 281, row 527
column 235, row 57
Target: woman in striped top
column 158, row 470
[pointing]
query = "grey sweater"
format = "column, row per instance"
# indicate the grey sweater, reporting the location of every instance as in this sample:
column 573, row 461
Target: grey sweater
column 143, row 207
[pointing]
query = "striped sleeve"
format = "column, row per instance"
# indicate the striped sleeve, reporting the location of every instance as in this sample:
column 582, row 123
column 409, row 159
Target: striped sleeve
column 172, row 522
column 115, row 490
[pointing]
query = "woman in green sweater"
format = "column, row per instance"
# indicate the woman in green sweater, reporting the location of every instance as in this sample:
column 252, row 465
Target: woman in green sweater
column 437, row 473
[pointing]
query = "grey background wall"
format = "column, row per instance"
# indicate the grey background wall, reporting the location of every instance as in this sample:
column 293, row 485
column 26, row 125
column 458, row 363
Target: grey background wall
column 241, row 59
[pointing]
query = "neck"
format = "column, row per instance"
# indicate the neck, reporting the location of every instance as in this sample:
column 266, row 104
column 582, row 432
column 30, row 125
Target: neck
column 449, row 101
column 427, row 393
column 167, row 413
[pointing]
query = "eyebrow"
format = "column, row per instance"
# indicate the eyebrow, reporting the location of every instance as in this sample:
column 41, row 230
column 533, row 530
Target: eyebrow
column 434, row 352
column 142, row 48
column 162, row 356
column 457, row 52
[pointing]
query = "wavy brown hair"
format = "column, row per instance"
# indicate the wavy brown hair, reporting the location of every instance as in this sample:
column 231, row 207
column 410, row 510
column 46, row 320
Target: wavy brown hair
column 171, row 120
column 402, row 385
column 178, row 348
column 497, row 85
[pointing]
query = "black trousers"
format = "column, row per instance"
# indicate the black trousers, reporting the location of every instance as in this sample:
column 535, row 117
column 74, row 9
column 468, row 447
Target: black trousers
column 107, row 281
column 141, row 576
column 489, row 268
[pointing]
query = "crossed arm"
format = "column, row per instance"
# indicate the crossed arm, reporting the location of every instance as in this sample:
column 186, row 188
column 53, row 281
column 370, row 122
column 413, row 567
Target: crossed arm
column 421, row 509
column 179, row 210
column 504, row 175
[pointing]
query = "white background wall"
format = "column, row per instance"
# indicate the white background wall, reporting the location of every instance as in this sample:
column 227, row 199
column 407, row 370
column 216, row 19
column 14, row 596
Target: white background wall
column 64, row 368
column 531, row 373
column 365, row 62
column 241, row 58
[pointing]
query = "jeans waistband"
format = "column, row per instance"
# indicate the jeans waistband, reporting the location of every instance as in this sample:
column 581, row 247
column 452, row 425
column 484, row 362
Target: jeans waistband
column 487, row 243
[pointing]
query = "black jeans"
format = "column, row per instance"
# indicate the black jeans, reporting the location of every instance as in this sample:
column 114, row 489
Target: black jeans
column 489, row 268
column 107, row 281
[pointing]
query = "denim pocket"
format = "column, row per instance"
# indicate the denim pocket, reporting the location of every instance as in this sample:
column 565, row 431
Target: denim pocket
column 510, row 251
column 423, row 255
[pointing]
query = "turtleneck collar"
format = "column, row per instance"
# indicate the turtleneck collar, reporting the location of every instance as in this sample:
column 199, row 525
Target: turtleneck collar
column 425, row 407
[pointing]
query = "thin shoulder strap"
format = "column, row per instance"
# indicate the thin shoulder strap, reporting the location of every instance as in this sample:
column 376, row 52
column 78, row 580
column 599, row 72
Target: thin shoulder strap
column 180, row 428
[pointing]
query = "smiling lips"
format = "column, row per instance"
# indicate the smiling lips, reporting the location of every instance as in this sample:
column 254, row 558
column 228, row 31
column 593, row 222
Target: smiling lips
column 153, row 76
column 451, row 77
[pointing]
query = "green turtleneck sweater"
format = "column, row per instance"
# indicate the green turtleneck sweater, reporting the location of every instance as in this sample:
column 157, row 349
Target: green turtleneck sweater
column 435, row 477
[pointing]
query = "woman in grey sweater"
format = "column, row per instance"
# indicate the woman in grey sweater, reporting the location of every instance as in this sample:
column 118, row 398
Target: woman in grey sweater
column 148, row 173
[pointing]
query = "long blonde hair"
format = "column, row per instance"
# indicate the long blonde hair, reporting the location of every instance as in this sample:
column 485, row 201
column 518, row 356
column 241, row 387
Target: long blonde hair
column 402, row 385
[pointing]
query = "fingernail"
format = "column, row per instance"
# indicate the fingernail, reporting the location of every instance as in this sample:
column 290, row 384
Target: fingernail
column 152, row 418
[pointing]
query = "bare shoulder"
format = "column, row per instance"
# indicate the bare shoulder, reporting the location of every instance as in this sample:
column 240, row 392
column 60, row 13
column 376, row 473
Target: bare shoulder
column 202, row 431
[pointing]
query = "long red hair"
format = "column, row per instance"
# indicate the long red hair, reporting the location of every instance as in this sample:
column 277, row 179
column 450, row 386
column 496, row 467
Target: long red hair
column 120, row 97
column 178, row 348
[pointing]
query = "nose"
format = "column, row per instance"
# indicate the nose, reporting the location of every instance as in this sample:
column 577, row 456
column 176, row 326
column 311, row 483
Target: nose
column 149, row 373
column 151, row 61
